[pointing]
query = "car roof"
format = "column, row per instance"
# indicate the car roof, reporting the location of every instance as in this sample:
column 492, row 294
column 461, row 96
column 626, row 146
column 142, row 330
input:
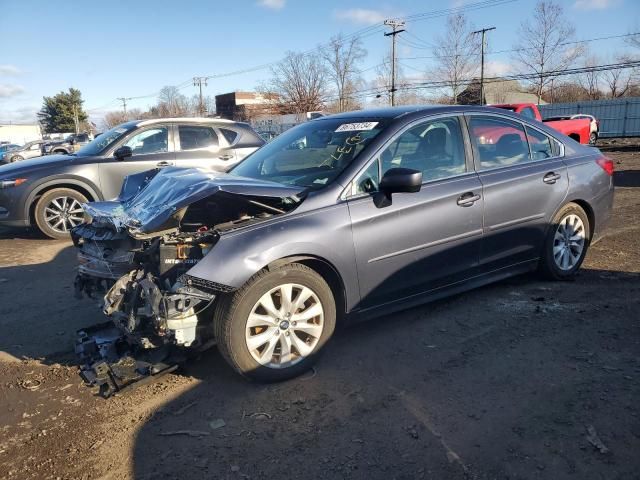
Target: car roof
column 151, row 121
column 396, row 112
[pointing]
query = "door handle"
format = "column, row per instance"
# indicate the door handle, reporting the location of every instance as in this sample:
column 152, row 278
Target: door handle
column 226, row 156
column 164, row 163
column 551, row 178
column 467, row 199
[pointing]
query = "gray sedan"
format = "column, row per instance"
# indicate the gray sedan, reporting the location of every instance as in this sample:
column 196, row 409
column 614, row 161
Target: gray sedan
column 48, row 191
column 28, row 150
column 353, row 215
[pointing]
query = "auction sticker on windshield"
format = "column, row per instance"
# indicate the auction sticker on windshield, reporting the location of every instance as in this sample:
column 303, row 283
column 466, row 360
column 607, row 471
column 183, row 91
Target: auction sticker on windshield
column 352, row 127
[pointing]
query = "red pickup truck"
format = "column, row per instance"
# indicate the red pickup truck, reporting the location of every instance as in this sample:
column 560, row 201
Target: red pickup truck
column 579, row 129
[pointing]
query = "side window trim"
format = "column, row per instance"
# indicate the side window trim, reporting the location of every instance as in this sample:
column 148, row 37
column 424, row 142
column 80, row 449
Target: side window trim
column 375, row 156
column 476, row 154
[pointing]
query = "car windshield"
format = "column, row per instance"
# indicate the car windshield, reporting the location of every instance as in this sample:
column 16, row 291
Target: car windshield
column 103, row 141
column 312, row 154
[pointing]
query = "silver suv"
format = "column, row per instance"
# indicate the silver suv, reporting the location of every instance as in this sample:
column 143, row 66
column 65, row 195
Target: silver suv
column 48, row 191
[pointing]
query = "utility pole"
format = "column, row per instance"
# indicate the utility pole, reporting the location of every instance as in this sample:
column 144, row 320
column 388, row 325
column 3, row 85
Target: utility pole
column 483, row 32
column 197, row 82
column 75, row 118
column 124, row 103
column 395, row 26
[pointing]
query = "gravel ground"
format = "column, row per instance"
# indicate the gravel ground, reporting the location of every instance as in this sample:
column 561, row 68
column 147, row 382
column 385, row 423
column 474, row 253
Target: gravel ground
column 523, row 379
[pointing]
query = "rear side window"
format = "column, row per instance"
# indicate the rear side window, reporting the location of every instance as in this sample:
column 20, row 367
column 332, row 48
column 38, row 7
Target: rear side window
column 229, row 135
column 193, row 137
column 499, row 142
column 542, row 146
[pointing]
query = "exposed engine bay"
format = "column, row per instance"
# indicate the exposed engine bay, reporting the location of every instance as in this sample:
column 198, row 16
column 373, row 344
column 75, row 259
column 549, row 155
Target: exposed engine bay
column 136, row 253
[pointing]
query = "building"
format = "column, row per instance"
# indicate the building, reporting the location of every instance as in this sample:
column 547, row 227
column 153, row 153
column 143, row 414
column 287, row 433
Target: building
column 274, row 124
column 243, row 106
column 19, row 133
column 504, row 91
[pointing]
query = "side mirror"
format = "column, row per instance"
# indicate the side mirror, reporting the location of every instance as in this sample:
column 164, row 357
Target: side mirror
column 123, row 152
column 401, row 180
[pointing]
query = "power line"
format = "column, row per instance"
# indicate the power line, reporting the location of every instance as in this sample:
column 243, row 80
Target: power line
column 482, row 32
column 395, row 30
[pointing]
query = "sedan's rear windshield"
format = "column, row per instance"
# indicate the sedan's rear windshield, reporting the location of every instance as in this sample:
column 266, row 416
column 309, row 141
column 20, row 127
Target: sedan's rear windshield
column 106, row 139
column 312, row 154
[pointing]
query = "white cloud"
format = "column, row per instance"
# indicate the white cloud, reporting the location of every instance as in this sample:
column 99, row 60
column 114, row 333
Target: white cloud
column 593, row 4
column 361, row 16
column 7, row 90
column 272, row 4
column 26, row 114
column 496, row 68
column 9, row 70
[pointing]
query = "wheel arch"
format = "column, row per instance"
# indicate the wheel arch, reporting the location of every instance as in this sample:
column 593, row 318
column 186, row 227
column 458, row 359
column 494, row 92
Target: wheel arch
column 586, row 206
column 91, row 192
column 326, row 270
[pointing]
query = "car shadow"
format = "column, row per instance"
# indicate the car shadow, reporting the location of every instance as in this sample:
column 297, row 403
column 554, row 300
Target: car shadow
column 468, row 387
column 31, row 233
column 626, row 178
column 38, row 312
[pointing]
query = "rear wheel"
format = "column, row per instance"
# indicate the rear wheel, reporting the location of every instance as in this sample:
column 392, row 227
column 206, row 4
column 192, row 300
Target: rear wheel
column 274, row 327
column 593, row 138
column 566, row 243
column 58, row 211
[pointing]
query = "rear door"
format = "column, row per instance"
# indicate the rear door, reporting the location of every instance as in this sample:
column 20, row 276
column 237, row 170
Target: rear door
column 203, row 146
column 152, row 147
column 422, row 240
column 524, row 181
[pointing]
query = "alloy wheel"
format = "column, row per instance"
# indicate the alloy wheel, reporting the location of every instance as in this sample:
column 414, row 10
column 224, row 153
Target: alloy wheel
column 284, row 326
column 569, row 242
column 63, row 213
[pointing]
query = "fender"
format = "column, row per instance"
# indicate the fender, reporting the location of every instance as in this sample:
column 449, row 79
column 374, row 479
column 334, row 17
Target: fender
column 240, row 254
column 87, row 185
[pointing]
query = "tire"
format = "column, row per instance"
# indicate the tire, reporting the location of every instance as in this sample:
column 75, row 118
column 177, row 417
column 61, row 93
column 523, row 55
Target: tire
column 15, row 158
column 59, row 152
column 593, row 138
column 59, row 201
column 566, row 243
column 234, row 333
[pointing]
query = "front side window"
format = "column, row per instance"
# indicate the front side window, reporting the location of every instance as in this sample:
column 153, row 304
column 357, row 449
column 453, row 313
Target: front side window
column 152, row 140
column 367, row 181
column 193, row 137
column 434, row 148
column 312, row 154
column 499, row 142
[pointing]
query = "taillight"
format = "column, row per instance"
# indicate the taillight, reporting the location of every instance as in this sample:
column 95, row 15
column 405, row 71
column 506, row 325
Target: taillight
column 606, row 164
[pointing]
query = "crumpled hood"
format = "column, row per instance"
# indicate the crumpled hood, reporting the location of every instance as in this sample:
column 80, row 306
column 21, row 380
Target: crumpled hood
column 149, row 200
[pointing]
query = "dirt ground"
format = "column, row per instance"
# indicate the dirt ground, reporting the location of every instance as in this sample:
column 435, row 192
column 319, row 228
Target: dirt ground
column 523, row 379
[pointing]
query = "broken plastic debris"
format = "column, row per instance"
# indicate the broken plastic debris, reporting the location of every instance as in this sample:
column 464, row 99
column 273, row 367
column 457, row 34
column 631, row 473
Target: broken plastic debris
column 217, row 423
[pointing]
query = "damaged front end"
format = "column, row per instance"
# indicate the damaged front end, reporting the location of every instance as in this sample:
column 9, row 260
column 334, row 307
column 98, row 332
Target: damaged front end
column 136, row 253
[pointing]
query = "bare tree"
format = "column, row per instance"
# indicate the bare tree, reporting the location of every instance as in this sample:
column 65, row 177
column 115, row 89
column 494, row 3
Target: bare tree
column 112, row 119
column 542, row 48
column 619, row 81
column 382, row 82
column 590, row 80
column 342, row 57
column 300, row 83
column 171, row 103
column 456, row 55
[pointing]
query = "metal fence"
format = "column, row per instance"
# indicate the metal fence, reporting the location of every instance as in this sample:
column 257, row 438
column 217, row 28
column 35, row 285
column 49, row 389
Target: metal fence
column 618, row 118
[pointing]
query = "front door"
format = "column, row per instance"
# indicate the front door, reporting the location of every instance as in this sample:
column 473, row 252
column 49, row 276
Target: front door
column 151, row 149
column 423, row 240
column 524, row 182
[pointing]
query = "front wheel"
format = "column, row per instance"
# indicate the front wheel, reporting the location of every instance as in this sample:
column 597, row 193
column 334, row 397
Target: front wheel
column 274, row 327
column 566, row 243
column 58, row 211
column 593, row 138
column 16, row 158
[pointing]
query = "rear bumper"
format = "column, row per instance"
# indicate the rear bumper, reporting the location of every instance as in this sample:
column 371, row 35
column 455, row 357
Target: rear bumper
column 602, row 211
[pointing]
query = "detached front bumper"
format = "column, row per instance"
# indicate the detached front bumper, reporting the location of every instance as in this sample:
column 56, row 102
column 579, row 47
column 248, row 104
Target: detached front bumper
column 111, row 361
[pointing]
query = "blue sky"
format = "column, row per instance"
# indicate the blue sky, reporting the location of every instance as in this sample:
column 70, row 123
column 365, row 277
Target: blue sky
column 133, row 48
